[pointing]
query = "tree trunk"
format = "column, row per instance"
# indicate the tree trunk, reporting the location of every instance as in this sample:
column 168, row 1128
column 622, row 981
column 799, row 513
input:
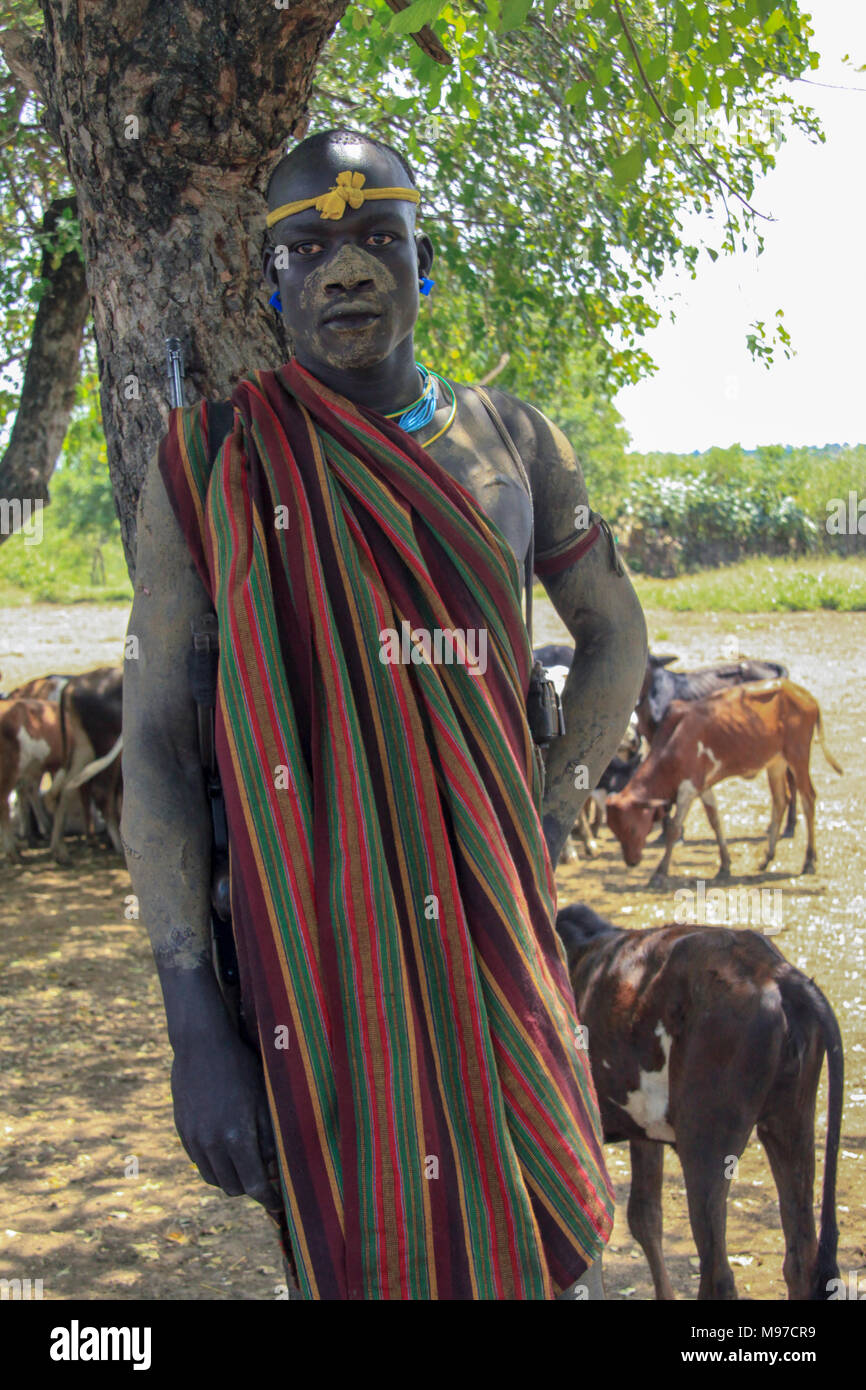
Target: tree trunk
column 170, row 117
column 48, row 392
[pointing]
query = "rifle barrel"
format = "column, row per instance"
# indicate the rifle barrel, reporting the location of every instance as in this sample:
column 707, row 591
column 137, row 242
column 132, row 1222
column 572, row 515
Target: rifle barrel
column 174, row 359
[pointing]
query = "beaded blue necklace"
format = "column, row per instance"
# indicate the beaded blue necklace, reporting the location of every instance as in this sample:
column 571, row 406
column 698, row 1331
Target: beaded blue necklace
column 415, row 416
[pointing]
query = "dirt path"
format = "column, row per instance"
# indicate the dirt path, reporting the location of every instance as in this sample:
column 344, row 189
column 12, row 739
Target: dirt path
column 98, row 1198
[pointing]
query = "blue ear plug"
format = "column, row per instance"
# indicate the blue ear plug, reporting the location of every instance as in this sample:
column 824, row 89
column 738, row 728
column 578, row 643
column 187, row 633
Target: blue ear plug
column 426, row 284
column 276, row 301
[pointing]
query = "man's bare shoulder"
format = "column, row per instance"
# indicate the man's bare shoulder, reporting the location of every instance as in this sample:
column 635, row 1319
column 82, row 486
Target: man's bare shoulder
column 539, row 441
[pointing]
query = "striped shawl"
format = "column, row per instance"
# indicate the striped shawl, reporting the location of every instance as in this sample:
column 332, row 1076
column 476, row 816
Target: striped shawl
column 393, row 900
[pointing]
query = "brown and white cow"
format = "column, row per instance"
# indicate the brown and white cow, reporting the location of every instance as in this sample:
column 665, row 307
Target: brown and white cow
column 735, row 733
column 695, row 1036
column 661, row 687
column 40, row 688
column 31, row 744
column 33, row 810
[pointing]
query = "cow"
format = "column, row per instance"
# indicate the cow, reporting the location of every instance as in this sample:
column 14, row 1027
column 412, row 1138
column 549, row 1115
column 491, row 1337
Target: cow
column 32, row 809
column 695, row 1036
column 41, row 688
column 661, row 687
column 91, row 711
column 735, row 733
column 31, row 744
column 618, row 773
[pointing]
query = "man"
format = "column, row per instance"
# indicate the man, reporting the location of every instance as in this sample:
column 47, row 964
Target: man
column 416, row 1066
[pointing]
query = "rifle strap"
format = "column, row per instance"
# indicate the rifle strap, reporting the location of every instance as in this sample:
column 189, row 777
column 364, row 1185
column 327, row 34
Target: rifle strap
column 220, row 419
column 512, row 449
column 204, row 656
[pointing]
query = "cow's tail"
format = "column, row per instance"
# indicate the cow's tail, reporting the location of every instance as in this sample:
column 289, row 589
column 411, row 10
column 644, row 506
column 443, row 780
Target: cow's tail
column 93, row 769
column 826, row 1266
column 824, row 749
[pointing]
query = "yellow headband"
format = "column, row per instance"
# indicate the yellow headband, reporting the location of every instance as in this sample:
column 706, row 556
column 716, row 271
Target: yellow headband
column 349, row 188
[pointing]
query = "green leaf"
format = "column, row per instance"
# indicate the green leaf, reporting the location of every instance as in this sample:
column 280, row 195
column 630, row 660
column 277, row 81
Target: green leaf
column 629, row 166
column 656, row 68
column 714, row 95
column 697, row 78
column 514, row 12
column 776, row 21
column 419, row 13
column 604, row 72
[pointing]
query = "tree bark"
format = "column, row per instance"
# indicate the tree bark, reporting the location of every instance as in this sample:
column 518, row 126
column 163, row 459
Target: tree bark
column 170, row 116
column 51, row 375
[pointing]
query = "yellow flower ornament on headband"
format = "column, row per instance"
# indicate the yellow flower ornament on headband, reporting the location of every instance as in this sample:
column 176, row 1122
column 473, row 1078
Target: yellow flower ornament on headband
column 348, row 191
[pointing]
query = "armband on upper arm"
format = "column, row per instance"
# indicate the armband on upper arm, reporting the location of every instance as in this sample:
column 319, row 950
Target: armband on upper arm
column 567, row 553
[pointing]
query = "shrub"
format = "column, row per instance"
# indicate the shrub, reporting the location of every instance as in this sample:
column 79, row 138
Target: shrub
column 712, row 522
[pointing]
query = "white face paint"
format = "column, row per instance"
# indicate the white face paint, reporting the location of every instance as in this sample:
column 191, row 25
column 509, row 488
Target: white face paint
column 648, row 1105
column 33, row 752
column 715, row 763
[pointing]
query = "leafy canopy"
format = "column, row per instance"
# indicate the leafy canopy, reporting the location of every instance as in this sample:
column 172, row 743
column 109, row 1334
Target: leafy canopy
column 558, row 153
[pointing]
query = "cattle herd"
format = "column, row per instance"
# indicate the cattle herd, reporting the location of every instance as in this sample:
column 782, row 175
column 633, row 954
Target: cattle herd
column 69, row 728
column 691, row 730
column 696, row 1034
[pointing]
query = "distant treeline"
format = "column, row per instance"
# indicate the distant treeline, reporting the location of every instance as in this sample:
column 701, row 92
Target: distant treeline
column 673, row 513
column 679, row 512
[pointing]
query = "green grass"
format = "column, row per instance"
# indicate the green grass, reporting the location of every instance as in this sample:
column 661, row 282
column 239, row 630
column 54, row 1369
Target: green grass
column 763, row 586
column 58, row 569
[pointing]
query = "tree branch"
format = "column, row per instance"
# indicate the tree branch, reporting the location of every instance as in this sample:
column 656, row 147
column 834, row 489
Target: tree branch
column 494, row 373
column 51, row 374
column 21, row 56
column 707, row 163
column 426, row 40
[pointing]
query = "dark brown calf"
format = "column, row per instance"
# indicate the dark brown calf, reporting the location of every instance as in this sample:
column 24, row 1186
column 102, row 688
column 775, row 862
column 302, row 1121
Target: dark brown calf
column 696, row 1035
column 91, row 709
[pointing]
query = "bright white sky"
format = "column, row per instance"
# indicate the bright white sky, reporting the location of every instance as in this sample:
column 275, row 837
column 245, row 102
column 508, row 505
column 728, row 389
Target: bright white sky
column 707, row 390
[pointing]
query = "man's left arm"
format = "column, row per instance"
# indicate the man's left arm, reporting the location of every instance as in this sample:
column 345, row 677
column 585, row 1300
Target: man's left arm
column 596, row 601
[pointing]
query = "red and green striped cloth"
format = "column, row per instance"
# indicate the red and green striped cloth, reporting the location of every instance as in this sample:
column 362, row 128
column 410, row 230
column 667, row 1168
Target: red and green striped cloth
column 392, row 895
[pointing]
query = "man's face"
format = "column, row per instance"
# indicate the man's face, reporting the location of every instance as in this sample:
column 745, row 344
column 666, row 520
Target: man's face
column 349, row 287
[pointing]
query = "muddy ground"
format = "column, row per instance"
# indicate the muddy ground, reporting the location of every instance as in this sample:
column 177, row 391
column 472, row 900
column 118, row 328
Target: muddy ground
column 98, row 1198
